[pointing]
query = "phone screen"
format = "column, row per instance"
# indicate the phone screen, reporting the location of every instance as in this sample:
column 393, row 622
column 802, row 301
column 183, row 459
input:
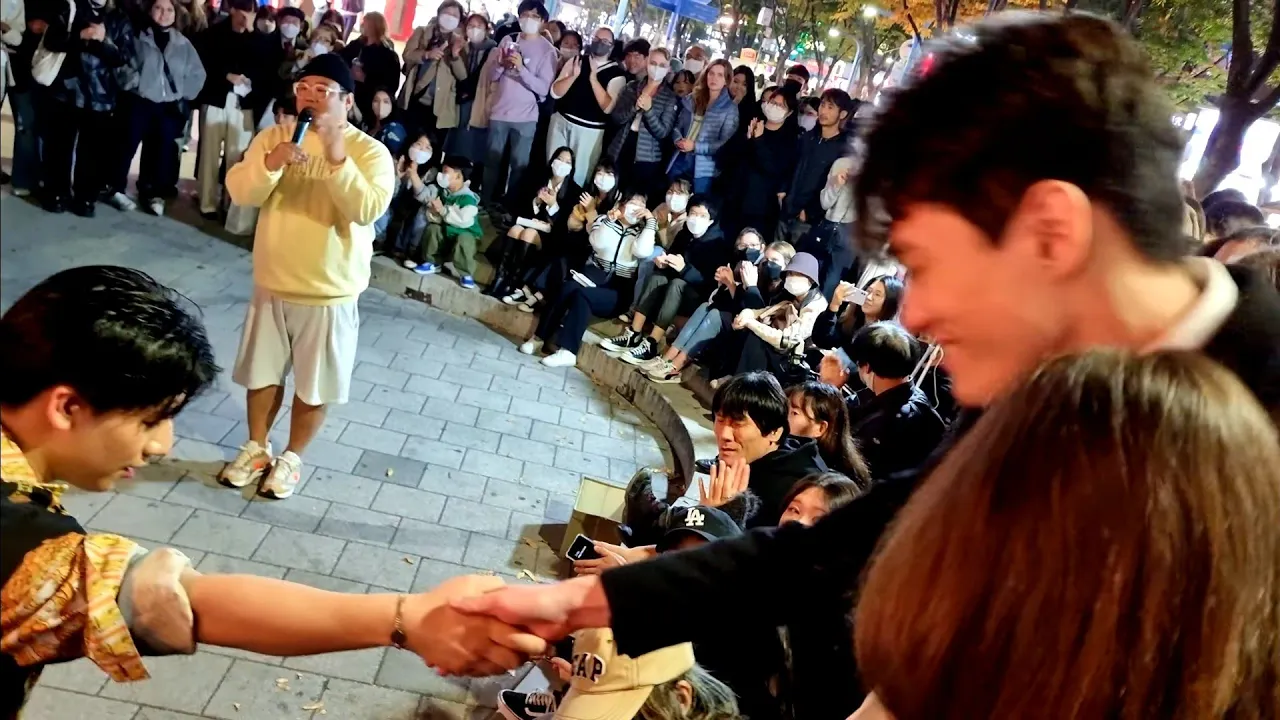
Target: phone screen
column 583, row 548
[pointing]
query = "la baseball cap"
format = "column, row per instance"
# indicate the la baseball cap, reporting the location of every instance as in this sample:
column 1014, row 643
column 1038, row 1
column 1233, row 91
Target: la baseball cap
column 608, row 686
column 705, row 522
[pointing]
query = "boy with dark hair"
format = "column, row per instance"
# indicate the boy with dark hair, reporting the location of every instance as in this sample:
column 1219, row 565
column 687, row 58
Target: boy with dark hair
column 1227, row 216
column 817, row 151
column 797, row 78
column 453, row 223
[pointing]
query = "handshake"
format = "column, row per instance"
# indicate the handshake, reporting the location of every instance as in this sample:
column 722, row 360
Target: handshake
column 477, row 625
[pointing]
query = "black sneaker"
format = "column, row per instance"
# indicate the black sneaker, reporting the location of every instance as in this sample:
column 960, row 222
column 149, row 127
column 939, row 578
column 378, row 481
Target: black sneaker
column 642, row 353
column 525, row 706
column 626, row 342
column 704, row 465
column 84, row 208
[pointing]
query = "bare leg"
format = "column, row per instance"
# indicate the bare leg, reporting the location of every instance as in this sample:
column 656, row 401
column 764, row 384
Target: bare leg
column 637, row 324
column 263, row 405
column 657, row 333
column 529, row 235
column 679, row 360
column 303, row 425
column 672, row 353
column 514, row 232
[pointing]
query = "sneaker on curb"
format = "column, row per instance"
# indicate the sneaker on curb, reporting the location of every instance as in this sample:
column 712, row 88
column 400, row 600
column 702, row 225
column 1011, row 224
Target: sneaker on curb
column 528, row 306
column 410, row 264
column 642, row 353
column 625, row 318
column 283, row 479
column 514, row 705
column 121, row 202
column 626, row 342
column 560, row 358
column 648, row 365
column 427, row 268
column 467, row 282
column 531, row 346
column 156, row 206
column 248, row 467
column 21, row 192
column 514, row 298
column 665, row 373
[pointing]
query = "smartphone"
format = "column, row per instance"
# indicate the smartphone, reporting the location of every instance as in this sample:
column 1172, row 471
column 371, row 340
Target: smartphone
column 857, row 296
column 583, row 548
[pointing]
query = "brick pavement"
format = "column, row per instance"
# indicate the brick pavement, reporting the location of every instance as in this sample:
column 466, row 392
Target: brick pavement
column 456, row 455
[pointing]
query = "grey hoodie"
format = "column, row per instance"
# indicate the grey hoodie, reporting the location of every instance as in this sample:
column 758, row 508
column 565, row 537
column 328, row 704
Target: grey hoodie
column 145, row 74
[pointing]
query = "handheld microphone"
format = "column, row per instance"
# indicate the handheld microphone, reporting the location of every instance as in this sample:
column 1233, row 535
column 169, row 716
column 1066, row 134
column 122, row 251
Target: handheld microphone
column 304, row 123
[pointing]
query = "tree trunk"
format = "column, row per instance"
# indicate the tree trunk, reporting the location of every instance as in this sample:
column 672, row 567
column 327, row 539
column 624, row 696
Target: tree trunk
column 1222, row 151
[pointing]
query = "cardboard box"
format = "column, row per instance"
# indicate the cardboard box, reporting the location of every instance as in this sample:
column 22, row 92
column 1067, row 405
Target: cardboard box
column 597, row 513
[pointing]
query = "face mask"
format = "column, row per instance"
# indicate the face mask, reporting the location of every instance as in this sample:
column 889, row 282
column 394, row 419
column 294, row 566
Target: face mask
column 477, row 35
column 420, row 157
column 750, row 255
column 568, row 52
column 697, row 225
column 774, row 114
column 631, row 213
column 560, row 168
column 442, row 180
column 382, row 111
column 657, row 72
column 694, row 66
column 796, row 285
column 319, row 49
column 290, row 31
column 530, row 26
column 808, row 122
column 605, row 183
column 266, row 27
column 447, row 23
column 601, row 48
column 771, row 271
column 677, row 202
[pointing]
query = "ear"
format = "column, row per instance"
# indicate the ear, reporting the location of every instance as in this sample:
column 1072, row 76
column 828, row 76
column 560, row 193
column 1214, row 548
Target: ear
column 1052, row 227
column 684, row 693
column 776, row 436
column 823, row 428
column 60, row 404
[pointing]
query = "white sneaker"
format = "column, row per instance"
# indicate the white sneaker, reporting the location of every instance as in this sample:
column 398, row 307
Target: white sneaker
column 653, row 364
column 410, row 264
column 122, row 202
column 560, row 358
column 283, row 478
column 156, row 206
column 530, row 346
column 248, row 467
column 21, row 192
column 664, row 373
column 515, row 298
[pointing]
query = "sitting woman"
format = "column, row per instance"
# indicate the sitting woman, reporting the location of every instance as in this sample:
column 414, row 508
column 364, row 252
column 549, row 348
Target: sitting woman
column 752, row 277
column 603, row 286
column 681, row 280
column 545, row 215
column 570, row 248
column 383, row 122
column 852, row 309
column 777, row 334
column 670, row 216
column 818, row 411
column 401, row 227
column 1134, row 499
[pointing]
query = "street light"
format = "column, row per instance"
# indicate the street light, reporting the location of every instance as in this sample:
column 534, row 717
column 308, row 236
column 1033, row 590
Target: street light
column 833, row 33
column 726, row 20
column 870, row 12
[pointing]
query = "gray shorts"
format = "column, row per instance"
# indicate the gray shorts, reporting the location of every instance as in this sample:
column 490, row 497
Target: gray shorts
column 317, row 341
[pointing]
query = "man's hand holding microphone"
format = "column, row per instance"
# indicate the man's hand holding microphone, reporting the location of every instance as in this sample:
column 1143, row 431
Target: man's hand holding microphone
column 329, row 128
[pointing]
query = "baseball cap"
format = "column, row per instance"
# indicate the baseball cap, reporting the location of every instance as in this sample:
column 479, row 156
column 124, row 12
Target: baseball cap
column 609, row 686
column 705, row 522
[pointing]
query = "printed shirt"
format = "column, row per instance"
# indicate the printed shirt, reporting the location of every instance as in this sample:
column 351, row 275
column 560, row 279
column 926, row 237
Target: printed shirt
column 59, row 598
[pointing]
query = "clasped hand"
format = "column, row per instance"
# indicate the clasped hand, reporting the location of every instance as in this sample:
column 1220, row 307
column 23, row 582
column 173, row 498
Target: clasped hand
column 454, row 643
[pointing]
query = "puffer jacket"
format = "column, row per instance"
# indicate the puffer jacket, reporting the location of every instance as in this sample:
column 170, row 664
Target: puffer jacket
column 87, row 78
column 655, row 125
column 719, row 123
column 145, row 74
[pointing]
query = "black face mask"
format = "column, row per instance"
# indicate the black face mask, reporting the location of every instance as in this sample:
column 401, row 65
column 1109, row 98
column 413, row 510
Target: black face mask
column 750, row 255
column 771, row 271
column 600, row 48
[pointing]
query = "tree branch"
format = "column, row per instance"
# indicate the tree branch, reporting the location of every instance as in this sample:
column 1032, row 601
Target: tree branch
column 1266, row 102
column 1241, row 48
column 1270, row 56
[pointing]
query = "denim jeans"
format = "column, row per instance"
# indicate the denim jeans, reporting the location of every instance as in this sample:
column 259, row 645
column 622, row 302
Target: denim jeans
column 27, row 146
column 520, row 136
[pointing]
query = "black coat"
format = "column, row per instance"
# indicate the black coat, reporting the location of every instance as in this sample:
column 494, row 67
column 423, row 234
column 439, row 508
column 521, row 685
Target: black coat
column 896, row 430
column 814, row 158
column 381, row 67
column 773, row 476
column 87, row 78
column 789, row 571
column 701, row 257
column 249, row 53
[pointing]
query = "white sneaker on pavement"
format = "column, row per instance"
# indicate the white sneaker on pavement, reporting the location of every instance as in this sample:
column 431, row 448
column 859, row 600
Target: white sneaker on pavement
column 156, row 206
column 531, row 346
column 283, row 479
column 122, row 202
column 560, row 358
column 248, row 467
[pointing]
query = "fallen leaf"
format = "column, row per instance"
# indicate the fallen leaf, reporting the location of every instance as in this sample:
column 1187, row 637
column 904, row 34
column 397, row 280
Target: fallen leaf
column 529, row 576
column 236, row 706
column 530, row 542
column 314, row 706
column 391, row 471
column 299, row 675
column 408, row 560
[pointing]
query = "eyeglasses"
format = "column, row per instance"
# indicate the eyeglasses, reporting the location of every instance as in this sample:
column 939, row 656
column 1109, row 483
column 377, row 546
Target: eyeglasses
column 311, row 89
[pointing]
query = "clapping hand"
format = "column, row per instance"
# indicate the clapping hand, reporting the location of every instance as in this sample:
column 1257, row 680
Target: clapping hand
column 724, row 276
column 402, row 167
column 454, row 643
column 727, row 482
column 841, row 178
column 755, row 128
column 750, row 274
column 436, row 52
column 571, row 68
column 585, row 200
column 545, row 197
column 644, row 102
column 740, row 321
column 675, row 262
column 436, row 205
column 93, row 32
column 684, row 145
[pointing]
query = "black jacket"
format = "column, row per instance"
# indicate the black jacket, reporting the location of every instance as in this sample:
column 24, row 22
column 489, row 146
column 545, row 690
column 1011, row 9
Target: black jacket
column 786, row 572
column 814, row 157
column 767, row 163
column 896, row 430
column 381, row 67
column 702, row 256
column 773, row 476
column 249, row 53
column 87, row 78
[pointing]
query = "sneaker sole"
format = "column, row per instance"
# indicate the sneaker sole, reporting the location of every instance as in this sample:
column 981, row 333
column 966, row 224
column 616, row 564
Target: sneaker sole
column 273, row 495
column 664, row 380
column 631, row 360
column 427, row 272
column 255, row 477
column 524, row 308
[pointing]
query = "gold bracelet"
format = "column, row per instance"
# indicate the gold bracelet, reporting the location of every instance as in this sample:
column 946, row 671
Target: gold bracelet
column 398, row 638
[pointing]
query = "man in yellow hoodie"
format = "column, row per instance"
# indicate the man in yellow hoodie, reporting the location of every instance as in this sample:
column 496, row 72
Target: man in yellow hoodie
column 311, row 256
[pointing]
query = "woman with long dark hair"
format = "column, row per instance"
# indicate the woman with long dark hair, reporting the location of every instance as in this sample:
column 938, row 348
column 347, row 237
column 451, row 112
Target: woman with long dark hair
column 818, row 411
column 843, row 318
column 542, row 216
column 373, row 61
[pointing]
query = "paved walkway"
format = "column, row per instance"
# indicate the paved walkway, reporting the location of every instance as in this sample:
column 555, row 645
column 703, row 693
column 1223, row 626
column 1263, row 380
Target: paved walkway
column 456, row 455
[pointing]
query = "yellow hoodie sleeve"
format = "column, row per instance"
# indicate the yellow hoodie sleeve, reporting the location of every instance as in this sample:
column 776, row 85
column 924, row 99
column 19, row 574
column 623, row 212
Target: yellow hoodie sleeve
column 361, row 187
column 249, row 181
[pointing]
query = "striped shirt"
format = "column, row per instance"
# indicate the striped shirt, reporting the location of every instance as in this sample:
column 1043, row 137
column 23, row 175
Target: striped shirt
column 618, row 249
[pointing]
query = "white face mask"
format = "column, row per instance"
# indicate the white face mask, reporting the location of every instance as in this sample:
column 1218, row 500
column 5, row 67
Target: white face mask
column 605, row 183
column 697, row 225
column 657, row 72
column 290, row 31
column 319, row 49
column 420, row 157
column 774, row 113
column 447, row 23
column 560, row 168
column 382, row 111
column 677, row 201
column 476, row 35
column 808, row 122
column 442, row 180
column 796, row 285
column 568, row 52
column 530, row 26
column 631, row 213
column 694, row 66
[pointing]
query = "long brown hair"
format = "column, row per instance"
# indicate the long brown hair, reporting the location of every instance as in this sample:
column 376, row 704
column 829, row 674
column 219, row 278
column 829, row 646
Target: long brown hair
column 376, row 22
column 1105, row 543
column 825, row 404
column 701, row 93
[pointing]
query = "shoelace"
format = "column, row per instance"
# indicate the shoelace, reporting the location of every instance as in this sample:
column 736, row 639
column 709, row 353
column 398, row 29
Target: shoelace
column 543, row 699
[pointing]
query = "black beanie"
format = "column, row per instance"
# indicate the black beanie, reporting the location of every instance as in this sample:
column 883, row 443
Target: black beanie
column 332, row 66
column 292, row 12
